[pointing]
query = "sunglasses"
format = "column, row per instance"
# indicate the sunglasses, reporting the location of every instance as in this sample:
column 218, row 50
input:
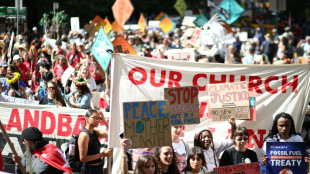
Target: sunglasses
column 52, row 87
column 96, row 118
column 240, row 139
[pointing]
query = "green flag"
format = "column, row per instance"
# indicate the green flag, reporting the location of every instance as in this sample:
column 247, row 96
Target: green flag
column 200, row 20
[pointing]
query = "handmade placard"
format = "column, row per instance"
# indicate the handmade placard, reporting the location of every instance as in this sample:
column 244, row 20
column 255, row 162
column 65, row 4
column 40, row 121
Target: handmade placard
column 147, row 124
column 184, row 104
column 229, row 99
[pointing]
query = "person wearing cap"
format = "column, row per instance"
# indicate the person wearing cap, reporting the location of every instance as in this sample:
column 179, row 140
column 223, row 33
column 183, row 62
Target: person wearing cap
column 34, row 35
column 288, row 34
column 81, row 97
column 24, row 71
column 45, row 157
column 3, row 71
column 19, row 42
column 275, row 36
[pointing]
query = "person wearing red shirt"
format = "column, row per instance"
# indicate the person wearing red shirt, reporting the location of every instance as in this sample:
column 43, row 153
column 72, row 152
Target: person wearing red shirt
column 60, row 66
column 74, row 56
column 17, row 60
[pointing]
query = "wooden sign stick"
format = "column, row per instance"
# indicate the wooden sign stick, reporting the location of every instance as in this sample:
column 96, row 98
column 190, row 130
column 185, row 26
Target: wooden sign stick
column 7, row 138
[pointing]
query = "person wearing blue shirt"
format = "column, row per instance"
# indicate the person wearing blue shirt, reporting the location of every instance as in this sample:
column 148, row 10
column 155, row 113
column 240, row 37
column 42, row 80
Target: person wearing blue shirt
column 81, row 97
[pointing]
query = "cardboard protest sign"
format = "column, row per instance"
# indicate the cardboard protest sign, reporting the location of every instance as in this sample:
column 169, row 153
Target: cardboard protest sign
column 166, row 25
column 98, row 21
column 180, row 6
column 91, row 29
column 182, row 54
column 147, row 124
column 102, row 49
column 122, row 10
column 252, row 168
column 229, row 99
column 189, row 21
column 107, row 27
column 286, row 157
column 122, row 46
column 184, row 105
column 142, row 23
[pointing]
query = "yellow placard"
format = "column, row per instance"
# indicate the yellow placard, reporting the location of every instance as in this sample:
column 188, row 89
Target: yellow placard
column 107, row 27
column 166, row 25
column 116, row 27
column 142, row 23
column 98, row 21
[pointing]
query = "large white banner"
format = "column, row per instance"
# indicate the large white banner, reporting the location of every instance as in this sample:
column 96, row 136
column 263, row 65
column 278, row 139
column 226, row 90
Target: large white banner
column 57, row 124
column 282, row 88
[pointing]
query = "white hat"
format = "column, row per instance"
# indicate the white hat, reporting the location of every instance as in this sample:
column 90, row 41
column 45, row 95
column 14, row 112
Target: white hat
column 34, row 28
column 16, row 57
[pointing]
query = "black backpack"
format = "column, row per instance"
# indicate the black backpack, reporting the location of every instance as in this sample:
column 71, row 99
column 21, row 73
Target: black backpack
column 74, row 160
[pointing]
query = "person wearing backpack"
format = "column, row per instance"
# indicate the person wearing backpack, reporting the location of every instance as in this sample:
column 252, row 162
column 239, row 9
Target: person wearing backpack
column 89, row 145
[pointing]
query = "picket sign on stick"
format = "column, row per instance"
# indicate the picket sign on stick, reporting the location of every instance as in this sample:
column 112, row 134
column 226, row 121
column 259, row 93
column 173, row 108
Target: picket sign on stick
column 21, row 167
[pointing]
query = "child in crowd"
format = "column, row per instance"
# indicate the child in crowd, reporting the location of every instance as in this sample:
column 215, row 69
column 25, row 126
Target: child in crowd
column 212, row 149
column 195, row 162
column 180, row 147
column 239, row 154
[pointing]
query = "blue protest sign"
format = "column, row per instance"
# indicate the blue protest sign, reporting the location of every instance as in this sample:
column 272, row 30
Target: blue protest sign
column 102, row 49
column 286, row 158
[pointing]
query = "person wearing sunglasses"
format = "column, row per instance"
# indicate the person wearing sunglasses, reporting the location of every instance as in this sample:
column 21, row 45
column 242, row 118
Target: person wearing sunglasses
column 239, row 154
column 53, row 96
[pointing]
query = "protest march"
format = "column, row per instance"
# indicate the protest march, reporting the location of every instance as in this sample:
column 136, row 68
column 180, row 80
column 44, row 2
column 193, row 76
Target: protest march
column 196, row 93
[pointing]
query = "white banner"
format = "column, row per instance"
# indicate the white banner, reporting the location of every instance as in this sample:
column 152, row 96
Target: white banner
column 282, row 88
column 57, row 124
column 187, row 54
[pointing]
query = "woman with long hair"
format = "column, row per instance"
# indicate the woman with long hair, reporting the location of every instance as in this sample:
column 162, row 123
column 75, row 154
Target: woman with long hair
column 166, row 160
column 74, row 56
column 146, row 164
column 212, row 149
column 53, row 96
column 81, row 97
column 89, row 144
column 195, row 162
column 85, row 73
column 239, row 154
column 283, row 130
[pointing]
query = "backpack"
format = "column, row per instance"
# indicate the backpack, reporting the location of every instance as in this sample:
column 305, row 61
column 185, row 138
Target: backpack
column 74, row 157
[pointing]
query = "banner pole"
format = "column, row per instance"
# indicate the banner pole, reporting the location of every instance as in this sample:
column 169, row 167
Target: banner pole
column 106, row 81
column 109, row 164
column 20, row 165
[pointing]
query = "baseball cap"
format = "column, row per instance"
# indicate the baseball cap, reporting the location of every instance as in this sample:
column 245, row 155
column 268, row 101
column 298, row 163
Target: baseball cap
column 16, row 57
column 3, row 64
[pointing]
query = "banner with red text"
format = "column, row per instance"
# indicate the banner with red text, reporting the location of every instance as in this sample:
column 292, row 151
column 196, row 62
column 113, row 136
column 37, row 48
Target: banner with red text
column 57, row 124
column 283, row 88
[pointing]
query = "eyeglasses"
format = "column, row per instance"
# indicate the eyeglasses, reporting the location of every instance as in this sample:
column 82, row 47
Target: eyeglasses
column 96, row 118
column 51, row 87
column 240, row 139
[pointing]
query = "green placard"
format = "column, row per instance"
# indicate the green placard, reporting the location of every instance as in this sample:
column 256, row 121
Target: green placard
column 200, row 20
column 102, row 49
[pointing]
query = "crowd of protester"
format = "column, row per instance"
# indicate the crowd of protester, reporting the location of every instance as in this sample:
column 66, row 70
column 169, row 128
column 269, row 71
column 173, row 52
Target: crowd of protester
column 34, row 69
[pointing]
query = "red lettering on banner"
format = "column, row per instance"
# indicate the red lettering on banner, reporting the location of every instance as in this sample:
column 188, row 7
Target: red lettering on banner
column 267, row 85
column 28, row 119
column 162, row 78
column 231, row 78
column 133, row 80
column 259, row 141
column 213, row 81
column 202, row 108
column 80, row 121
column 17, row 123
column 254, row 85
column 174, row 80
column 285, row 84
column 52, row 118
column 64, row 124
column 195, row 81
